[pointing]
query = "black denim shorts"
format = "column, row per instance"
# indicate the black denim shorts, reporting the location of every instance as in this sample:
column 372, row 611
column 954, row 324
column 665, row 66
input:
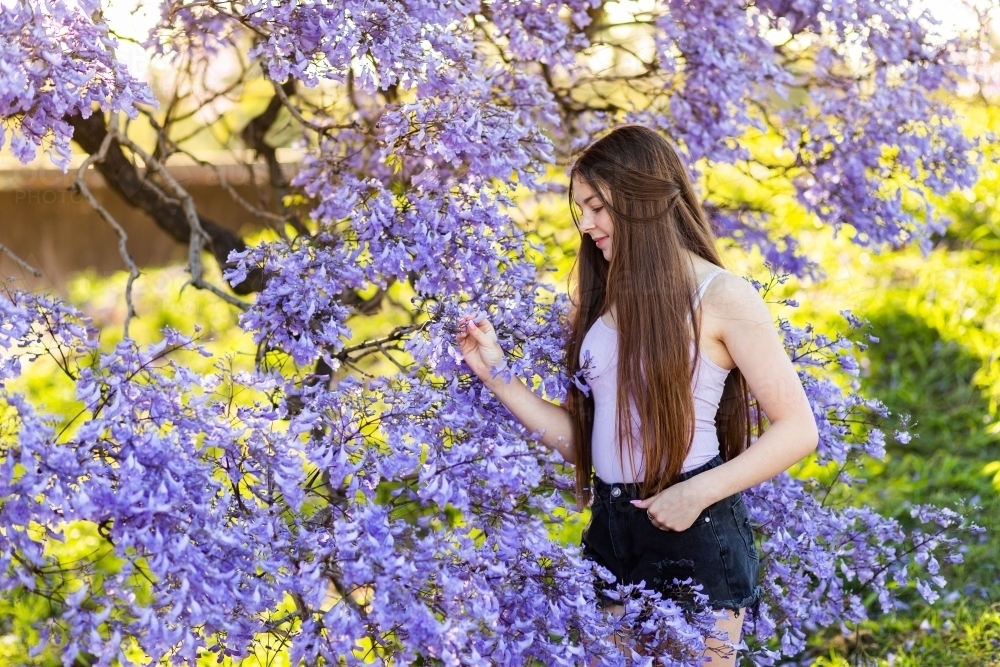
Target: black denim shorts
column 717, row 551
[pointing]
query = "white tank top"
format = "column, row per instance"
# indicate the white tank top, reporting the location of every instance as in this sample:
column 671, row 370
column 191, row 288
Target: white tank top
column 601, row 343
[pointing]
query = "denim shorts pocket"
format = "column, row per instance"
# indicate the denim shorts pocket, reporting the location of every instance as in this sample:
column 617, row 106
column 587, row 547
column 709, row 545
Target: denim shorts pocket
column 736, row 500
column 703, row 521
column 742, row 520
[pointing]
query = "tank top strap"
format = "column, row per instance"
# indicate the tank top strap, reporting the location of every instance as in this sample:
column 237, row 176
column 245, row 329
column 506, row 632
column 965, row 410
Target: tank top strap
column 703, row 287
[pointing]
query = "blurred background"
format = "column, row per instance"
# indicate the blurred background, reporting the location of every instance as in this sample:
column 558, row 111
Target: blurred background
column 937, row 318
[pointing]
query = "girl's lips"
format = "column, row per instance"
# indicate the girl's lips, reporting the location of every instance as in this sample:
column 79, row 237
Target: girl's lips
column 600, row 240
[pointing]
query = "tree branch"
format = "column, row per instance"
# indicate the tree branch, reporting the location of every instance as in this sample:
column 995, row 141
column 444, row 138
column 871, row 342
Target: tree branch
column 198, row 234
column 168, row 213
column 20, row 262
column 253, row 137
column 320, row 128
column 81, row 187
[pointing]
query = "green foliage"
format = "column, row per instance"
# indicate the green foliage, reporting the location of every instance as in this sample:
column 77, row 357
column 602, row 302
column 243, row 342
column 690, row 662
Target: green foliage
column 162, row 299
column 976, row 226
column 959, row 636
column 915, row 372
column 933, row 364
column 17, row 614
column 938, row 323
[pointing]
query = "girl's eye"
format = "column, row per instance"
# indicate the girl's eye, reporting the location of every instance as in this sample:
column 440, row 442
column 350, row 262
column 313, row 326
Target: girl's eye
column 598, row 209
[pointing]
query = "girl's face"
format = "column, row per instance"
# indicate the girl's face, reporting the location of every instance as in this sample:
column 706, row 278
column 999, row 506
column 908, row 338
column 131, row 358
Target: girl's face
column 594, row 219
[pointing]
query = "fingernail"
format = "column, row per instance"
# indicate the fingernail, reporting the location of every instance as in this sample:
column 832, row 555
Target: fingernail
column 635, row 502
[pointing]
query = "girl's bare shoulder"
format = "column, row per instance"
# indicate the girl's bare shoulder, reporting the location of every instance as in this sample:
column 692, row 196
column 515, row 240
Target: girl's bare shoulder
column 730, row 299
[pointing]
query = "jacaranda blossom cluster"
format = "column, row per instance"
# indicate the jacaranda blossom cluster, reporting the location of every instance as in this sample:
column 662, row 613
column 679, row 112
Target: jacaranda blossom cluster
column 406, row 518
column 56, row 60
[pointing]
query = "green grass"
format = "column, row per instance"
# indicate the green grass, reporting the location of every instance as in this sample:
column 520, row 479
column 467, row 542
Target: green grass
column 940, row 373
column 959, row 635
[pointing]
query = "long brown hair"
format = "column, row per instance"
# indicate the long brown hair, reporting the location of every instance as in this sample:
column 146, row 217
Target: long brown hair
column 641, row 180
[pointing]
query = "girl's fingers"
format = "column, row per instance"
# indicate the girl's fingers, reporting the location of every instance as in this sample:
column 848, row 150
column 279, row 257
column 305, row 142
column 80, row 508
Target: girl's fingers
column 475, row 317
column 479, row 335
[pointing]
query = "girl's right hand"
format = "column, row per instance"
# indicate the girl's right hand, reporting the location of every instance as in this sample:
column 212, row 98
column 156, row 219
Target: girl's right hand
column 478, row 345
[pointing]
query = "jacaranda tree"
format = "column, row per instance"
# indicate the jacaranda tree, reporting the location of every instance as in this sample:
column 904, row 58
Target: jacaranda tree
column 405, row 518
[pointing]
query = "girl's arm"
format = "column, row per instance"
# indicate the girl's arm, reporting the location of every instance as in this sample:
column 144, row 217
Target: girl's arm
column 749, row 334
column 479, row 347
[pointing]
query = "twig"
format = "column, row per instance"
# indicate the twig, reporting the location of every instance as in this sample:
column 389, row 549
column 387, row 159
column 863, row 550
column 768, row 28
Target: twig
column 198, row 235
column 81, row 187
column 277, row 220
column 397, row 334
column 141, row 192
column 388, row 356
column 20, row 262
column 297, row 115
column 173, row 146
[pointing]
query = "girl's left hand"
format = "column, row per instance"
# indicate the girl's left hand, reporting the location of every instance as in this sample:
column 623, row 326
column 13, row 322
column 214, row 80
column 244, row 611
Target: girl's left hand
column 674, row 508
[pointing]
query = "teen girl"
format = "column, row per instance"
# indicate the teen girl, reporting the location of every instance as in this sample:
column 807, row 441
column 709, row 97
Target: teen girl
column 672, row 345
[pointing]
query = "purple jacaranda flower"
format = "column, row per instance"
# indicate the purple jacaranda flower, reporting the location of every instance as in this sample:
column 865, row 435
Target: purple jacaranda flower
column 401, row 513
